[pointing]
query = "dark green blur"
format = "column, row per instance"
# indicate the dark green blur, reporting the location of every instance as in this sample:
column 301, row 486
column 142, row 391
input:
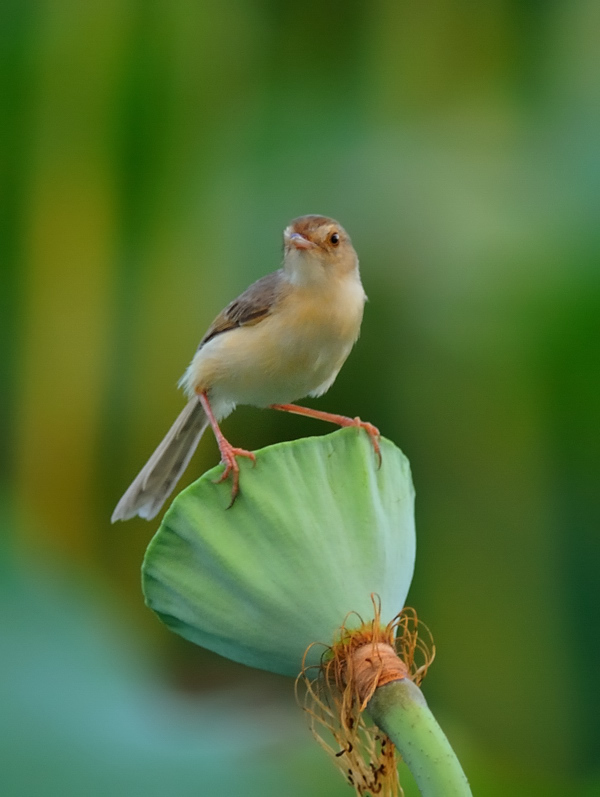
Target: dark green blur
column 151, row 154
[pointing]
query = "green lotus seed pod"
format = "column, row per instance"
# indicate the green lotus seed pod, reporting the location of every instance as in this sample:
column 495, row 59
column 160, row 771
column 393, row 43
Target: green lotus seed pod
column 316, row 530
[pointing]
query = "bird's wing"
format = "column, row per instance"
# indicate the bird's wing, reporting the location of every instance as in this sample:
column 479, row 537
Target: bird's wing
column 251, row 307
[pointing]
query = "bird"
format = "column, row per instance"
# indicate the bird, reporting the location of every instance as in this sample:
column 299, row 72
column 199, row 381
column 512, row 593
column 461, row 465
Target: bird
column 285, row 337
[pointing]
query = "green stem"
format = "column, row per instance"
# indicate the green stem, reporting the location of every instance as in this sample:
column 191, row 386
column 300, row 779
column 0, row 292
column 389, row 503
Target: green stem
column 400, row 710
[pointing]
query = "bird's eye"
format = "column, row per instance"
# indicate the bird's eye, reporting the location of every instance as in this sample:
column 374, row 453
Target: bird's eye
column 334, row 238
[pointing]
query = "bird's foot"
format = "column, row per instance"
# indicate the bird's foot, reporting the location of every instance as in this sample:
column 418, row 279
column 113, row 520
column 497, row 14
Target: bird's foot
column 372, row 431
column 339, row 420
column 229, row 456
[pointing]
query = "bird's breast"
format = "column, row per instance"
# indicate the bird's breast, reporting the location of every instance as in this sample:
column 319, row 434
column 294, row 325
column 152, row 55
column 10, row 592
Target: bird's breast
column 295, row 351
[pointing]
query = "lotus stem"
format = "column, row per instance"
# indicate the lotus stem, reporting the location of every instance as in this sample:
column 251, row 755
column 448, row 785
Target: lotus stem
column 399, row 709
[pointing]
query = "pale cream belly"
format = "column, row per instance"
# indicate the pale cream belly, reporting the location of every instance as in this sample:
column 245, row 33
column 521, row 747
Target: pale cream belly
column 276, row 361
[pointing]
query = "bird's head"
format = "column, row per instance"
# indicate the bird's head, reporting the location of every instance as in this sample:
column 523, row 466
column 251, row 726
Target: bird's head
column 317, row 247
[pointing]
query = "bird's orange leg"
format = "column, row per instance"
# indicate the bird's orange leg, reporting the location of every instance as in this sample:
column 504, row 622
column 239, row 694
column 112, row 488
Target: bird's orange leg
column 228, row 452
column 340, row 420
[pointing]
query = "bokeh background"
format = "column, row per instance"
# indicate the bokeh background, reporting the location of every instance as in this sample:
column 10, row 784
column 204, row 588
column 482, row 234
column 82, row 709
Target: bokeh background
column 151, row 153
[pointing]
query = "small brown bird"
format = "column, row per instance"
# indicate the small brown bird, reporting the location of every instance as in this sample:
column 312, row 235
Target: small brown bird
column 285, row 337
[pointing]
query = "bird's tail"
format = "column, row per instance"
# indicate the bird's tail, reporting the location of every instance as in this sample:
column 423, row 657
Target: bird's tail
column 154, row 483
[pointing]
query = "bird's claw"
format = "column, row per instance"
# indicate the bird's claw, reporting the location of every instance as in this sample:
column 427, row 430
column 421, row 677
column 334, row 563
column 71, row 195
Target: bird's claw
column 229, row 456
column 373, row 433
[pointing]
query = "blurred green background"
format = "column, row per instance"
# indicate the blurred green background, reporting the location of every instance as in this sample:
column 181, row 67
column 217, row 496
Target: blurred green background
column 151, row 153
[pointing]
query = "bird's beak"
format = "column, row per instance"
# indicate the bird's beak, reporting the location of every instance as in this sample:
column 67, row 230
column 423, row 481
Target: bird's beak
column 298, row 241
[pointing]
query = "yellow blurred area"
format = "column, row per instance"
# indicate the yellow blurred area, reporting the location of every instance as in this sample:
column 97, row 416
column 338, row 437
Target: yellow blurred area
column 151, row 154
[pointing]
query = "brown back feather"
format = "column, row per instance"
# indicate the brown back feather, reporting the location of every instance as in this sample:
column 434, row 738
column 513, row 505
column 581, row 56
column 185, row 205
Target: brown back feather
column 251, row 307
